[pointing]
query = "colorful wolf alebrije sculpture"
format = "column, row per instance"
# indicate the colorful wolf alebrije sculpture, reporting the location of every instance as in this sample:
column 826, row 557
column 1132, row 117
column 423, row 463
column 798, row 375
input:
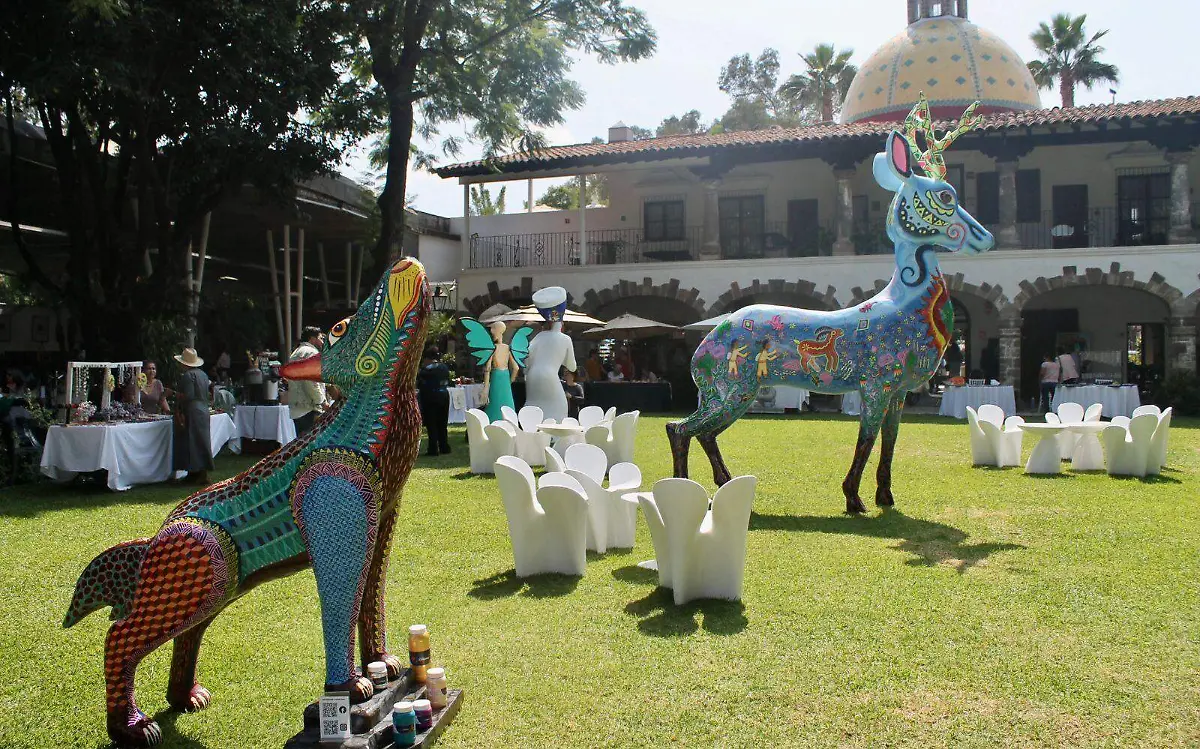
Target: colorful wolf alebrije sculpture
column 883, row 348
column 328, row 499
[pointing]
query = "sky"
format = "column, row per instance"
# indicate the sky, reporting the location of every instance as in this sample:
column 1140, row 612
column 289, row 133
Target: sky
column 1151, row 42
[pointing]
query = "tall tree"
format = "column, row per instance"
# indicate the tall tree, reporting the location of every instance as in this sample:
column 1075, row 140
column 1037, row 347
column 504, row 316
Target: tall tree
column 154, row 111
column 499, row 64
column 566, row 197
column 687, row 124
column 1069, row 57
column 825, row 81
column 758, row 101
column 482, row 203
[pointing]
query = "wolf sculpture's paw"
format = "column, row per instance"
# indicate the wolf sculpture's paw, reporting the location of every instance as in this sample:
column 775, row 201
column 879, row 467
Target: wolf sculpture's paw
column 359, row 687
column 195, row 699
column 138, row 732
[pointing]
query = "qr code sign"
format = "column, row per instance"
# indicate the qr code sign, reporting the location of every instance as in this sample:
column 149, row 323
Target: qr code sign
column 329, row 709
column 335, row 716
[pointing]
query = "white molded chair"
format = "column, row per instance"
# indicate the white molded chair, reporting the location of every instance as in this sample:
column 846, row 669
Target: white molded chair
column 587, row 459
column 1094, row 412
column 587, row 464
column 531, row 444
column 554, row 461
column 1120, row 421
column 623, row 478
column 1127, row 451
column 482, row 452
column 1068, row 413
column 510, row 416
column 590, row 416
column 993, row 413
column 624, row 435
column 610, row 414
column 599, row 435
column 547, row 525
column 1008, row 451
column 1149, row 408
column 502, row 439
column 700, row 552
column 561, row 444
column 983, row 449
column 1158, row 444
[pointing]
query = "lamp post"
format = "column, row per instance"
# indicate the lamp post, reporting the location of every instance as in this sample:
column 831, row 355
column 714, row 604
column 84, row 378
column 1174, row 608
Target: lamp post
column 443, row 300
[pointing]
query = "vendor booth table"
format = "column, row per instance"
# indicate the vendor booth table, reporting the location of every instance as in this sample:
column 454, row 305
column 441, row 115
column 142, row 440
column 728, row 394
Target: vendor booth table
column 1117, row 400
column 462, row 399
column 956, row 399
column 647, row 397
column 132, row 453
column 265, row 423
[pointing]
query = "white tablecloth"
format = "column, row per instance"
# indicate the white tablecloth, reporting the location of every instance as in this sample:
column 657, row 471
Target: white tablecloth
column 956, row 399
column 775, row 398
column 1117, row 401
column 852, row 403
column 463, row 397
column 265, row 423
column 222, row 431
column 131, row 453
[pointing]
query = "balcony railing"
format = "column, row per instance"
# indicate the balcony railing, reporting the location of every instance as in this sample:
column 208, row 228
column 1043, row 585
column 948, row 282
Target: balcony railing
column 1099, row 227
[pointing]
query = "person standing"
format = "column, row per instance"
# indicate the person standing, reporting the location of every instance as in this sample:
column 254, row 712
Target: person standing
column 193, row 452
column 152, row 396
column 1048, row 375
column 433, row 397
column 306, row 398
column 575, row 394
column 1069, row 371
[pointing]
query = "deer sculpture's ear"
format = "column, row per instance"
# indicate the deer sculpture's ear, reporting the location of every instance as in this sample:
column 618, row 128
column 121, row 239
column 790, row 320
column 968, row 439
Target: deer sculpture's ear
column 894, row 165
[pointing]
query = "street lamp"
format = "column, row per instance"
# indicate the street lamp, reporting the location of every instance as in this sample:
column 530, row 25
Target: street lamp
column 443, row 301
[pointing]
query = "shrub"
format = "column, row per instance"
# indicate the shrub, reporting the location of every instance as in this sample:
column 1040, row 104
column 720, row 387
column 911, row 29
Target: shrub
column 1180, row 391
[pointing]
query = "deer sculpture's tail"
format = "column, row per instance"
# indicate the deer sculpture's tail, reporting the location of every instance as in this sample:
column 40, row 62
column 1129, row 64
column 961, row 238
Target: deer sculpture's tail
column 109, row 580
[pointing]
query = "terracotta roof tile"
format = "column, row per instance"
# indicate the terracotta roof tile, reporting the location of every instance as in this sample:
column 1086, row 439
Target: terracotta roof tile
column 683, row 146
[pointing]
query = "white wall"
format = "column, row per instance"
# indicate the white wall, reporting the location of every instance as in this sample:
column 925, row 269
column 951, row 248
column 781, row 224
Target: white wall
column 441, row 257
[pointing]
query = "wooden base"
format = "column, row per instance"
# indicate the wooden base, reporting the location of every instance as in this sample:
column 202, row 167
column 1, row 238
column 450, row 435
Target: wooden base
column 371, row 721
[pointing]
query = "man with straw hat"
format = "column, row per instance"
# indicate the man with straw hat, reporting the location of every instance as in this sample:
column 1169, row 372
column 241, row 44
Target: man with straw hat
column 193, row 453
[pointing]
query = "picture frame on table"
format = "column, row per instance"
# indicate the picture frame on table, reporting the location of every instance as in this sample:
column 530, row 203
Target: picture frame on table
column 39, row 327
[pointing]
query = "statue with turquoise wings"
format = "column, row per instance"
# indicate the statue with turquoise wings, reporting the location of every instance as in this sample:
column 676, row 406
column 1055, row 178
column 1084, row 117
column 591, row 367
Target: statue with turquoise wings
column 492, row 353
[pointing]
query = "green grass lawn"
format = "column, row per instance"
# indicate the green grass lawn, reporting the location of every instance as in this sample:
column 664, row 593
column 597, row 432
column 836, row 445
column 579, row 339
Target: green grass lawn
column 989, row 608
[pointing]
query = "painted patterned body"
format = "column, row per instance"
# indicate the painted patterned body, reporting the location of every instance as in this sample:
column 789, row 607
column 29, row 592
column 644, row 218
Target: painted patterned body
column 882, row 348
column 326, row 500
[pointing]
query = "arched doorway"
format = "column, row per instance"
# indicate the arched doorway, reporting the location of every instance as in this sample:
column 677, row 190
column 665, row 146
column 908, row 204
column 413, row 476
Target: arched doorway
column 668, row 357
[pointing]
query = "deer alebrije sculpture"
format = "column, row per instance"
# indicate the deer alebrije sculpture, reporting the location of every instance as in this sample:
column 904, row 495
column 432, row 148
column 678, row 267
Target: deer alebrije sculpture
column 326, row 500
column 883, row 348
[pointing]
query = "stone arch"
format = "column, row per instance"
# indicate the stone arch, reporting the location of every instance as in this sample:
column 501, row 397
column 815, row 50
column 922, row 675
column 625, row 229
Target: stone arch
column 1179, row 305
column 776, row 287
column 514, row 296
column 594, row 299
column 993, row 295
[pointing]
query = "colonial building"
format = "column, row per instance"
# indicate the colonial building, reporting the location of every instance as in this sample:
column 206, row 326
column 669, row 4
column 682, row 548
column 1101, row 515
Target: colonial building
column 1091, row 208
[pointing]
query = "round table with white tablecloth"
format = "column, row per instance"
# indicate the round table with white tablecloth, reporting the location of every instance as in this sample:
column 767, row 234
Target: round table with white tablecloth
column 462, row 399
column 777, row 398
column 265, row 423
column 132, row 453
column 1117, row 400
column 852, row 403
column 956, row 399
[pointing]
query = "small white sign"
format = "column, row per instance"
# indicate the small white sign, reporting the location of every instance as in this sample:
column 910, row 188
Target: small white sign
column 335, row 716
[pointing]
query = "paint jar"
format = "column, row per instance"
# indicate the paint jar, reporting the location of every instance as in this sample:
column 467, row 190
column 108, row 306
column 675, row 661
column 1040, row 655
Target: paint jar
column 404, row 724
column 424, row 712
column 418, row 651
column 435, row 688
column 377, row 673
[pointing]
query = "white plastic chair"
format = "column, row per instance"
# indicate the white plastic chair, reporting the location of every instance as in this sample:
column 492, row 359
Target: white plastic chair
column 992, row 413
column 509, row 415
column 587, row 459
column 590, row 416
column 560, row 444
column 624, row 436
column 546, row 525
column 531, row 444
column 601, row 436
column 588, row 464
column 554, row 461
column 983, row 450
column 1008, row 452
column 700, row 552
column 1094, row 412
column 610, row 414
column 1158, row 444
column 502, row 439
column 1120, row 421
column 1149, row 408
column 623, row 478
column 1126, row 451
column 482, row 453
column 1068, row 413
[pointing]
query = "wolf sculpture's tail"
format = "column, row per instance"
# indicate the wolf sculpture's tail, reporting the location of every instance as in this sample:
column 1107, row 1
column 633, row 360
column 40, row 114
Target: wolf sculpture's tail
column 110, row 580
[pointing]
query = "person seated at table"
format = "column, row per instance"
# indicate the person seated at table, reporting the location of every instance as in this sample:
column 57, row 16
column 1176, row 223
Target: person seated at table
column 1069, row 373
column 433, row 398
column 152, row 396
column 625, row 364
column 193, row 449
column 575, row 394
column 1048, row 376
column 613, row 373
column 594, row 367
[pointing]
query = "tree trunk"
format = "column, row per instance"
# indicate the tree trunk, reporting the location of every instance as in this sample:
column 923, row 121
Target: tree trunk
column 1066, row 88
column 827, row 105
column 391, row 200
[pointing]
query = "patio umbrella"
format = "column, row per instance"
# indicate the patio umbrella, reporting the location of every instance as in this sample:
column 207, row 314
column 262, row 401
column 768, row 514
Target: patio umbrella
column 630, row 326
column 529, row 313
column 493, row 312
column 706, row 325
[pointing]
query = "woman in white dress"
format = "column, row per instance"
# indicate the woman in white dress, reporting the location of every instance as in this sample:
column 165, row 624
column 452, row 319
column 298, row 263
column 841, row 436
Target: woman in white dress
column 549, row 350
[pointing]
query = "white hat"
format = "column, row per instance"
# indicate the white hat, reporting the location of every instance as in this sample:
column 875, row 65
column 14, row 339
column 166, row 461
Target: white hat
column 189, row 359
column 551, row 302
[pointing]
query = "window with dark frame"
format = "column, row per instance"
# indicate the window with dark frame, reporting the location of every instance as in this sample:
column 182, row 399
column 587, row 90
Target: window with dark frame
column 663, row 220
column 1029, row 197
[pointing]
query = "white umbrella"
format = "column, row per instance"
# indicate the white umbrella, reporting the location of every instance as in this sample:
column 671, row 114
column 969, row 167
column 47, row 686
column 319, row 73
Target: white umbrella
column 630, row 326
column 491, row 313
column 706, row 325
column 529, row 313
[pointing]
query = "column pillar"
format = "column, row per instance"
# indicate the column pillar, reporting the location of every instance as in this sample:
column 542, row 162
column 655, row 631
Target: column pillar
column 1181, row 345
column 711, row 248
column 583, row 247
column 467, row 260
column 1007, row 238
column 1010, row 352
column 845, row 212
column 1181, row 199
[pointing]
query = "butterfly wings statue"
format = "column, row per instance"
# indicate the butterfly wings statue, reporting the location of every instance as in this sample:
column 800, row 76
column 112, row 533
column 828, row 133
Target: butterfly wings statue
column 491, row 353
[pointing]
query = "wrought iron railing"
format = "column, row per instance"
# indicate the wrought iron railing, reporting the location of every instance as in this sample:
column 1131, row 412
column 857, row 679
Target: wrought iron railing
column 1100, row 227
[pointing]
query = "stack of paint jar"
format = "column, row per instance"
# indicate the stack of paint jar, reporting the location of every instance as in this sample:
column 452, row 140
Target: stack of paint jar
column 412, row 718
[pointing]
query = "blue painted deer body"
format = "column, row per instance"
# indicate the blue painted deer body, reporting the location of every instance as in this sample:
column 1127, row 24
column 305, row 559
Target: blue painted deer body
column 882, row 348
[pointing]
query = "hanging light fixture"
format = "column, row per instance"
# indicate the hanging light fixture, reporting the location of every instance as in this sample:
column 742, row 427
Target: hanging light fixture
column 442, row 299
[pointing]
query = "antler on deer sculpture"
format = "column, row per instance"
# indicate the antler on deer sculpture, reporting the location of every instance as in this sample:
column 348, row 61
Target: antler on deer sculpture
column 920, row 123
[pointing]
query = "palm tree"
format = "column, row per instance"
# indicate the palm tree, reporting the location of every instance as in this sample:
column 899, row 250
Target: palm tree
column 824, row 85
column 1067, row 57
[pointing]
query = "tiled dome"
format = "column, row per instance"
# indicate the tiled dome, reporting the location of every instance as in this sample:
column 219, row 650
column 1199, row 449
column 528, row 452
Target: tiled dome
column 953, row 61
